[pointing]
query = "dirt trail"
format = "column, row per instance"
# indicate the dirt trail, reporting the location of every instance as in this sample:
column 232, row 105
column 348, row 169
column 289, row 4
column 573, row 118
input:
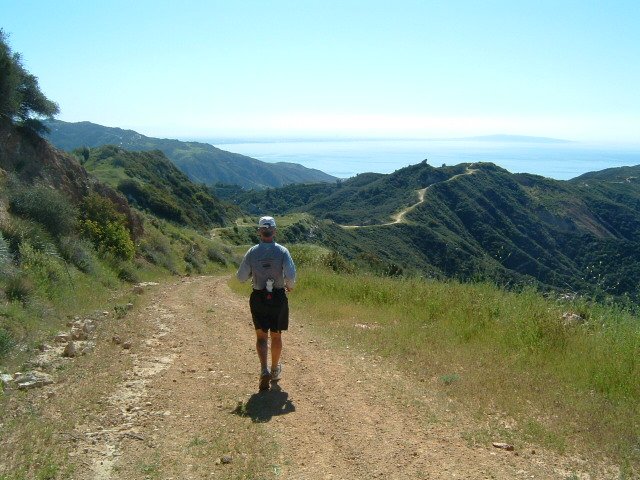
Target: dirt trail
column 337, row 415
column 399, row 217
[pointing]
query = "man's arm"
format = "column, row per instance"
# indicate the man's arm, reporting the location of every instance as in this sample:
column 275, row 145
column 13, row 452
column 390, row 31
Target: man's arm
column 289, row 270
column 244, row 271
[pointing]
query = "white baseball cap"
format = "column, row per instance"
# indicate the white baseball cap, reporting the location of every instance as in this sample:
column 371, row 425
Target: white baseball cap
column 266, row 222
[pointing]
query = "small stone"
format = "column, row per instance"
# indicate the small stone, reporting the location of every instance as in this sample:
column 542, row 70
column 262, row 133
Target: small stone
column 570, row 319
column 32, row 379
column 62, row 337
column 138, row 289
column 226, row 459
column 127, row 345
column 503, row 446
column 116, row 339
column 70, row 350
column 89, row 327
column 6, row 380
column 78, row 334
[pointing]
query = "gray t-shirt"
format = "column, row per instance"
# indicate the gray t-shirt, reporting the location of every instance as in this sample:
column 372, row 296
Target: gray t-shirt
column 268, row 260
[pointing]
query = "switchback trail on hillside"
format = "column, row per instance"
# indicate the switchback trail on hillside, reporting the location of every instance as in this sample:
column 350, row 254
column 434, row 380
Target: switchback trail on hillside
column 400, row 216
column 189, row 407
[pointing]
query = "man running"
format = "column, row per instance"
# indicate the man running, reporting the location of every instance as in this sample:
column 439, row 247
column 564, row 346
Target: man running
column 271, row 269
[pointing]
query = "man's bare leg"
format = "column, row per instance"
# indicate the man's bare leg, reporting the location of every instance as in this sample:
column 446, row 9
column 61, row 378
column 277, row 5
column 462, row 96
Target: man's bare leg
column 262, row 347
column 276, row 349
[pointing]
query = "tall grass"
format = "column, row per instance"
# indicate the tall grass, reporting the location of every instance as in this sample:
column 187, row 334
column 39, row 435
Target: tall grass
column 576, row 383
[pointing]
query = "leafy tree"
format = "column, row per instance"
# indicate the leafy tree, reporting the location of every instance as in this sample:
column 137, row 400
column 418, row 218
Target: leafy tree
column 21, row 101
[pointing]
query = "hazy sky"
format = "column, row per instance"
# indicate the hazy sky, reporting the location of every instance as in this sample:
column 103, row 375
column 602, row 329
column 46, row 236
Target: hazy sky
column 394, row 68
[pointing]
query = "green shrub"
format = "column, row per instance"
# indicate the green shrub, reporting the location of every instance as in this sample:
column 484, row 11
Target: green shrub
column 307, row 255
column 156, row 248
column 19, row 231
column 393, row 270
column 337, row 263
column 45, row 206
column 377, row 265
column 109, row 237
column 128, row 272
column 82, row 154
column 216, row 255
column 44, row 267
column 124, row 269
column 78, row 252
column 194, row 260
column 5, row 253
column 18, row 288
column 106, row 228
column 6, row 342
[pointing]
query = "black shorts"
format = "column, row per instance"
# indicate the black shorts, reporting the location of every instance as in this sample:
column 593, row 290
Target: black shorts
column 270, row 311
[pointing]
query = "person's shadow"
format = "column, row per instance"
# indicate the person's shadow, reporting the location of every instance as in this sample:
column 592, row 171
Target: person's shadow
column 262, row 406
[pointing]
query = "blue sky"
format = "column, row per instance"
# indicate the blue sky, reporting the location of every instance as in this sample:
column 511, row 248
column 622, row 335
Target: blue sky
column 190, row 69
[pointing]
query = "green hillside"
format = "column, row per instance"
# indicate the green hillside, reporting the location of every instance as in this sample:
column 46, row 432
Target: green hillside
column 201, row 162
column 366, row 199
column 618, row 174
column 152, row 183
column 480, row 221
column 70, row 243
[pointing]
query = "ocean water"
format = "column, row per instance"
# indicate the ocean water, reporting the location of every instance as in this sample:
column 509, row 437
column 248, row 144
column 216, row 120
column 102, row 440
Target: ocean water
column 347, row 158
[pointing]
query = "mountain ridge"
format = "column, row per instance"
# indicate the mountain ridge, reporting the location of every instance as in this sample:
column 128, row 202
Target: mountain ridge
column 201, row 162
column 514, row 229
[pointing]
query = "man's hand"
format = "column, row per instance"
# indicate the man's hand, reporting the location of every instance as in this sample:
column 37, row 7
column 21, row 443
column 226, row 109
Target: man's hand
column 288, row 288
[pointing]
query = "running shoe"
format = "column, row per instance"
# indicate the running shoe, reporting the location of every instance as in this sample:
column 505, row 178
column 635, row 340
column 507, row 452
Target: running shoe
column 265, row 376
column 276, row 373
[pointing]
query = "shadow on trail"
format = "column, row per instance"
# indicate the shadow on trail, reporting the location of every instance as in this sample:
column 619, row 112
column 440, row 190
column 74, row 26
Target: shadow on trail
column 262, row 406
